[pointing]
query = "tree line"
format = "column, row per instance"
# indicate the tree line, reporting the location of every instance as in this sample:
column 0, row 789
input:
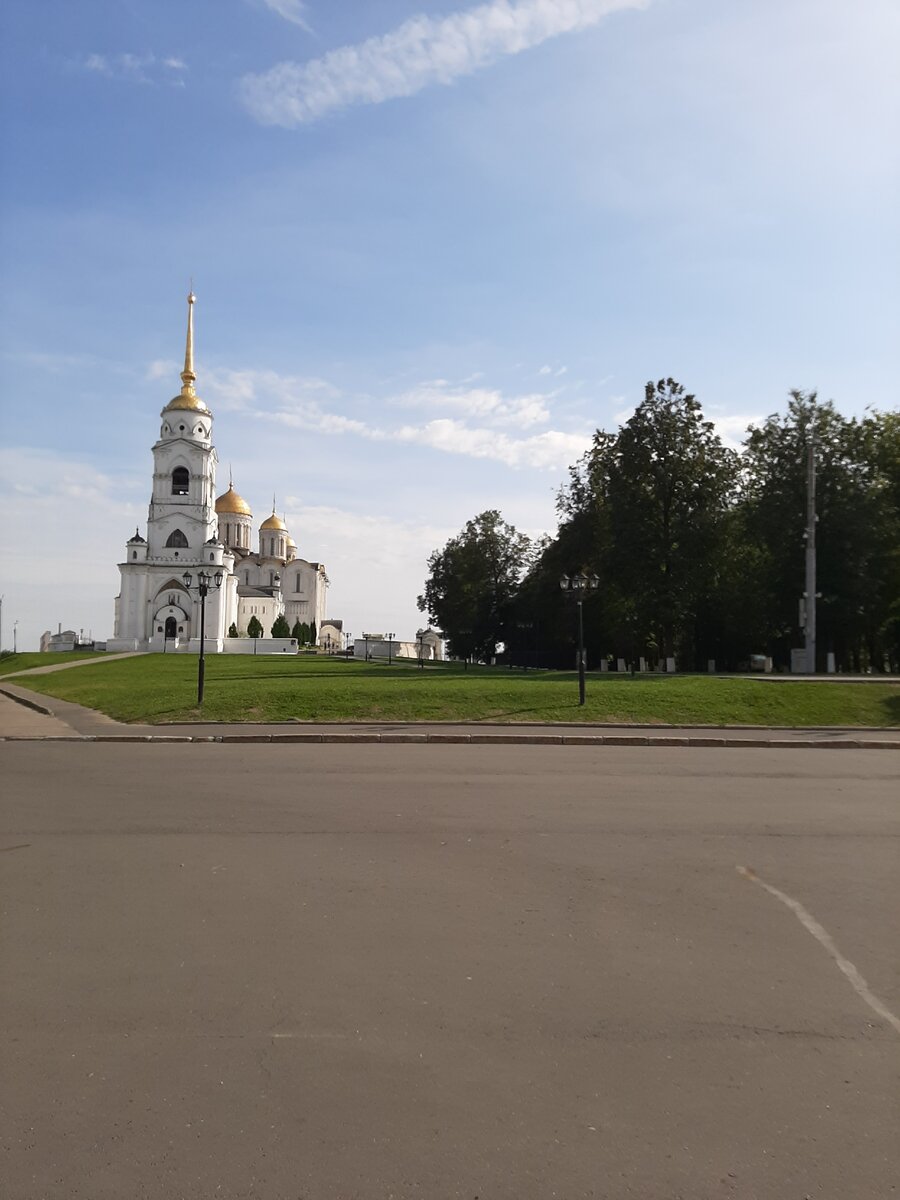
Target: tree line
column 699, row 549
column 303, row 633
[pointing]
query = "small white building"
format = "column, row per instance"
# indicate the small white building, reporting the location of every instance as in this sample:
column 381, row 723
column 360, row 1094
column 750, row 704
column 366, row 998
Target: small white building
column 189, row 530
column 65, row 640
column 428, row 645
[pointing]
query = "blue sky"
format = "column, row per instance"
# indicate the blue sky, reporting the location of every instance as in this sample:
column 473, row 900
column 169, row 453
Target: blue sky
column 434, row 243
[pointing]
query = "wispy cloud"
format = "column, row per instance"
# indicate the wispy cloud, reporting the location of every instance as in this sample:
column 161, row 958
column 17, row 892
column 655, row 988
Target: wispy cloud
column 544, row 451
column 291, row 10
column 138, row 68
column 314, row 405
column 486, row 403
column 420, row 52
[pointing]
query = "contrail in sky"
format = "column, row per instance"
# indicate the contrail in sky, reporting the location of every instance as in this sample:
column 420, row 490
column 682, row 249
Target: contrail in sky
column 422, row 51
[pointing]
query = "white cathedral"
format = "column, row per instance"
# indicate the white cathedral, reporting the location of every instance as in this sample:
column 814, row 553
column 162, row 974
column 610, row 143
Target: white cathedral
column 193, row 536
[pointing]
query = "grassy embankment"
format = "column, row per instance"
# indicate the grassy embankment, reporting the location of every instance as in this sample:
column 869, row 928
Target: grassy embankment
column 160, row 688
column 29, row 659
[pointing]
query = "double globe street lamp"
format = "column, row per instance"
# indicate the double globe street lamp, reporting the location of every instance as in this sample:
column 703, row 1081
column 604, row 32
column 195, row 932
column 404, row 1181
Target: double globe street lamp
column 204, row 582
column 580, row 585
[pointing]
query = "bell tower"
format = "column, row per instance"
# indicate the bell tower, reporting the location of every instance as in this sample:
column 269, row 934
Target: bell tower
column 182, row 517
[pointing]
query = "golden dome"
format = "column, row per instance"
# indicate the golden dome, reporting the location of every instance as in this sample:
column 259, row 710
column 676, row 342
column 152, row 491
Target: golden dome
column 274, row 522
column 289, row 541
column 186, row 400
column 232, row 503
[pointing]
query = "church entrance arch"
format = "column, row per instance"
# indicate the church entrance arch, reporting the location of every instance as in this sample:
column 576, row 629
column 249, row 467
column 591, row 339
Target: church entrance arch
column 171, row 623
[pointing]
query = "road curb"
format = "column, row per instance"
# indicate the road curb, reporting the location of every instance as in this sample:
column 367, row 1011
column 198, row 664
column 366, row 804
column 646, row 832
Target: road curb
column 26, row 703
column 472, row 739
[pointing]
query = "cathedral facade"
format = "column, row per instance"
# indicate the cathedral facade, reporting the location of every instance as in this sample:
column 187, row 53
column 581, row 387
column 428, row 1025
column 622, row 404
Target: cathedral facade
column 193, row 535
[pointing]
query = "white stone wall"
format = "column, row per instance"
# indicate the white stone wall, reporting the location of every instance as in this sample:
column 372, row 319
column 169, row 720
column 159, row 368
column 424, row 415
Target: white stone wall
column 260, row 646
column 264, row 608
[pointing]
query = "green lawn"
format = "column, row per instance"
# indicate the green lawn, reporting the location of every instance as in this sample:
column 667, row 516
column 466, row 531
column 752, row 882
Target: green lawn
column 24, row 662
column 158, row 688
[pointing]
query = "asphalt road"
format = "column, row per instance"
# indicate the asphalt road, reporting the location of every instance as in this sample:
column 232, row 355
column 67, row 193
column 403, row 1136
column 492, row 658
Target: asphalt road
column 325, row 972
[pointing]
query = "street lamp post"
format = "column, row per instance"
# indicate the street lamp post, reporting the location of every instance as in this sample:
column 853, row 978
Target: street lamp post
column 204, row 582
column 390, row 647
column 580, row 584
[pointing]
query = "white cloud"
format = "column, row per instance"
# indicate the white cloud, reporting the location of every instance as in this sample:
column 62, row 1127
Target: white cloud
column 84, row 517
column 733, row 429
column 291, row 10
column 264, row 391
column 138, row 68
column 483, row 402
column 420, row 52
column 162, row 368
column 551, row 449
column 310, row 404
column 376, row 563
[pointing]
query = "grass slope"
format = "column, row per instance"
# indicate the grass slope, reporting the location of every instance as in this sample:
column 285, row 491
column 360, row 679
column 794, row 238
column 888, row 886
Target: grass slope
column 33, row 658
column 158, row 688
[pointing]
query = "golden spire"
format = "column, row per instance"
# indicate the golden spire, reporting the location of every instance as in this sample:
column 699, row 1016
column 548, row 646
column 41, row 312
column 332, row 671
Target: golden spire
column 187, row 398
column 188, row 378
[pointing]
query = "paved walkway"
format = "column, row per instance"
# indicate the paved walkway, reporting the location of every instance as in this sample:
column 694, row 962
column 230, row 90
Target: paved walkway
column 48, row 717
column 65, row 666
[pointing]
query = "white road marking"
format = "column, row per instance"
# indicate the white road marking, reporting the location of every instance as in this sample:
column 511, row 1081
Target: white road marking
column 308, row 1035
column 822, row 935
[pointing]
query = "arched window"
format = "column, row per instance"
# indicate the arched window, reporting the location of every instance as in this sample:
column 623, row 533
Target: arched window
column 180, row 482
column 176, row 538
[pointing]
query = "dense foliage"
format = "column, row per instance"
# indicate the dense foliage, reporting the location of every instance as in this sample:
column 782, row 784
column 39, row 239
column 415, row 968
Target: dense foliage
column 699, row 549
column 472, row 585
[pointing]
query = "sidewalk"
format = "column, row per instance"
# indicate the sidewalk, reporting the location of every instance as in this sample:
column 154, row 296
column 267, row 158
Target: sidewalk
column 26, row 715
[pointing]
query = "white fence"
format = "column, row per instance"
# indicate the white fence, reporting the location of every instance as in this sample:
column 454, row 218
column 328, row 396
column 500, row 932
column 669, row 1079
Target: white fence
column 260, row 645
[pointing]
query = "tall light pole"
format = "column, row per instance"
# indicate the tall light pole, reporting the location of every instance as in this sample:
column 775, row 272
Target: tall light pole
column 580, row 585
column 15, row 637
column 811, row 518
column 390, row 647
column 204, row 582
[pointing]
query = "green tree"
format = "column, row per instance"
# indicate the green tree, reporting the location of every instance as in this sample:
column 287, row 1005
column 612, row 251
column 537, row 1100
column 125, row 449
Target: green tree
column 297, row 632
column 312, row 633
column 280, row 627
column 669, row 485
column 254, row 628
column 647, row 510
column 857, row 533
column 233, row 630
column 472, row 584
